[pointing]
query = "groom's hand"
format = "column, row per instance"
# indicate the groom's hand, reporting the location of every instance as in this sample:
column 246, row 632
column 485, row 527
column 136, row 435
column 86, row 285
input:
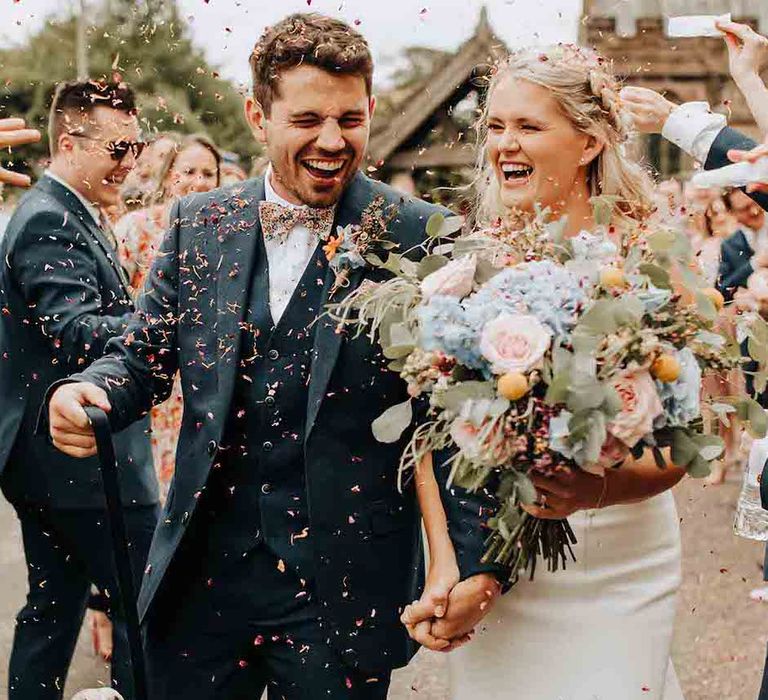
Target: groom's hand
column 70, row 428
column 469, row 602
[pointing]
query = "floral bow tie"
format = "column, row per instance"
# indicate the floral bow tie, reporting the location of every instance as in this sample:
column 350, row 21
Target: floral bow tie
column 277, row 220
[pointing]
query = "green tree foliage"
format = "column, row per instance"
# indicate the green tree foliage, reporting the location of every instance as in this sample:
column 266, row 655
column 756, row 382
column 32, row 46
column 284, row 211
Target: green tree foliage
column 148, row 45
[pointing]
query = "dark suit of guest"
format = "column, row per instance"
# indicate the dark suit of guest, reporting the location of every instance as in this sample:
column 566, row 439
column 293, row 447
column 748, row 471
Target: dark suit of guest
column 285, row 553
column 735, row 264
column 62, row 299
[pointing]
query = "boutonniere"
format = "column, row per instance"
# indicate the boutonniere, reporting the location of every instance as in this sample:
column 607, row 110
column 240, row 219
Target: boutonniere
column 357, row 245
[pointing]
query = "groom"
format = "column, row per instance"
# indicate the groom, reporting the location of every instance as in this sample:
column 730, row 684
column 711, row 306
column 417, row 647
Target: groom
column 285, row 553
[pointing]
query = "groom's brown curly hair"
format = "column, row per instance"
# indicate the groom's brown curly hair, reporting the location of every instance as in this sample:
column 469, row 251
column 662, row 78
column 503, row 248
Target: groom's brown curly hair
column 307, row 39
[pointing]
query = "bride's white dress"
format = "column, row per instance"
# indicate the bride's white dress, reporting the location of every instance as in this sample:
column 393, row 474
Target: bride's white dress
column 601, row 630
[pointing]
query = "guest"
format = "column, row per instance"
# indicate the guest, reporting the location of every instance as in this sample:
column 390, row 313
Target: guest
column 142, row 181
column 65, row 297
column 192, row 165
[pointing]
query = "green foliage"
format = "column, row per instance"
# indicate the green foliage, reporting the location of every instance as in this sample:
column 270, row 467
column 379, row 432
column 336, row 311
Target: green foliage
column 149, row 46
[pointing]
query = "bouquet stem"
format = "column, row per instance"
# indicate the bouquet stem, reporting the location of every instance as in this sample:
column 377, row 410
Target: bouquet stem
column 533, row 538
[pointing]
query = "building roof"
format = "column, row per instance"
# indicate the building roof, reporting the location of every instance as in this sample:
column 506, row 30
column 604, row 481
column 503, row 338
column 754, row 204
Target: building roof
column 627, row 12
column 439, row 89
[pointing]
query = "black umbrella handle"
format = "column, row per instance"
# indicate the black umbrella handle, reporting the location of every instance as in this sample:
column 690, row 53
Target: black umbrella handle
column 108, row 464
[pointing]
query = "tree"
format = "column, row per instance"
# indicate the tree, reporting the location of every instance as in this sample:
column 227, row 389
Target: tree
column 148, row 45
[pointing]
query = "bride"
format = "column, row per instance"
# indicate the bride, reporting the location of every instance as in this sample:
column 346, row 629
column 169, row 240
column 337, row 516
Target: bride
column 602, row 629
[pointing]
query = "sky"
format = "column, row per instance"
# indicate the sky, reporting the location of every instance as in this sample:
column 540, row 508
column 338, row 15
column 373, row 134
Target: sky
column 227, row 29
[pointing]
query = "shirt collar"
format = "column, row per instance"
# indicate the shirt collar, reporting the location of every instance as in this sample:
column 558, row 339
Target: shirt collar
column 91, row 208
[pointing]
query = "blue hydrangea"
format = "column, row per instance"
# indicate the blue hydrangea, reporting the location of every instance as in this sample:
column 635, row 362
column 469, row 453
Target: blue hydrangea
column 682, row 398
column 445, row 327
column 543, row 289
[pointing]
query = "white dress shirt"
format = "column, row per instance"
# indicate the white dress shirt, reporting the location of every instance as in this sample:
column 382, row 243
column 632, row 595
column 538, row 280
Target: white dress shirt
column 693, row 128
column 287, row 257
column 90, row 207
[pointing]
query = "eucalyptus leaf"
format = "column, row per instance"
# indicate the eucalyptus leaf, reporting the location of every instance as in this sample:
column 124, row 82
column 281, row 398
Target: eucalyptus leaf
column 711, row 452
column 409, row 267
column 705, row 307
column 758, row 423
column 526, row 491
column 391, row 424
column 658, row 276
column 558, row 389
column 662, row 241
column 684, row 450
column 430, row 264
column 435, row 225
column 454, row 397
column 699, row 468
column 400, row 334
column 397, row 352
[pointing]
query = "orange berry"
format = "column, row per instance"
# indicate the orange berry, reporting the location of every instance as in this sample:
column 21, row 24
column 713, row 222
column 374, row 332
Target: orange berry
column 666, row 368
column 612, row 278
column 513, row 385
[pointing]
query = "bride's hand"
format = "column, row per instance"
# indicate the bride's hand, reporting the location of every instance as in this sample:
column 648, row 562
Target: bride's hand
column 564, row 493
column 417, row 617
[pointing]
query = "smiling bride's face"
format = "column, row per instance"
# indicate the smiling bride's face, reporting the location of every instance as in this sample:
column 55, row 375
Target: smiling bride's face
column 537, row 154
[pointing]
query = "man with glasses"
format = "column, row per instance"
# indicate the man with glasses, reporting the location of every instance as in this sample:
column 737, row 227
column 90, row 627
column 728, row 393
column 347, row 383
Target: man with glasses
column 63, row 295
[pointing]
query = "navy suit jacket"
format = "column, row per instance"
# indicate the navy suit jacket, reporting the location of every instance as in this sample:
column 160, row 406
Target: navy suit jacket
column 63, row 297
column 735, row 266
column 366, row 534
column 730, row 139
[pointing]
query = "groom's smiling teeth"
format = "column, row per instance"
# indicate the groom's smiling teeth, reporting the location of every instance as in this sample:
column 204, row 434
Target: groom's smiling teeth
column 516, row 171
column 324, row 168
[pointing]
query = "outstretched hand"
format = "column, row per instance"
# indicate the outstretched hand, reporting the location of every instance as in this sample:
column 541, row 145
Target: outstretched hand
column 757, row 153
column 747, row 50
column 13, row 132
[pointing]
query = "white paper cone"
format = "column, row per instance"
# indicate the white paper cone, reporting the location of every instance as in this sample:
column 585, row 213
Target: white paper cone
column 695, row 25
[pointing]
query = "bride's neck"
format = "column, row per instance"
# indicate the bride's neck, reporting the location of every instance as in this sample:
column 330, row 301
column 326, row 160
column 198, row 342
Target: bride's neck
column 578, row 210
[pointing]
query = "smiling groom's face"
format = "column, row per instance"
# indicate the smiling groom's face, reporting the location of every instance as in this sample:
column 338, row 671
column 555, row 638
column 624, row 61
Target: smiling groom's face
column 315, row 134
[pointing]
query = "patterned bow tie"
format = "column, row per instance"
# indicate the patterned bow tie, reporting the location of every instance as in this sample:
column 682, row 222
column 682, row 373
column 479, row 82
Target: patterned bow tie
column 277, row 220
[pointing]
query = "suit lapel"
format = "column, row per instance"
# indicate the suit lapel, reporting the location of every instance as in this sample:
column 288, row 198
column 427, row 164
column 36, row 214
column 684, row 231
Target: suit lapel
column 238, row 249
column 76, row 207
column 327, row 343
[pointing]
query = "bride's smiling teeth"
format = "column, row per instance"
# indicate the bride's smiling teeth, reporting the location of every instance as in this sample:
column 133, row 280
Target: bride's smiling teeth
column 324, row 168
column 514, row 171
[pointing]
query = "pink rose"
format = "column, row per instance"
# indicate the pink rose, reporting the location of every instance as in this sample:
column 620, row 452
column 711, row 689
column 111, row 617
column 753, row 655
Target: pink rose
column 514, row 343
column 454, row 279
column 640, row 407
column 466, row 435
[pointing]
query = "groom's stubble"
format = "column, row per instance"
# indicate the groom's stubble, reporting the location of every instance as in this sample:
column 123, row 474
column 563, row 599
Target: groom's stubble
column 315, row 134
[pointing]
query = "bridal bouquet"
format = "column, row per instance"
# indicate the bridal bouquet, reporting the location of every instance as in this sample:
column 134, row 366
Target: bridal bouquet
column 528, row 352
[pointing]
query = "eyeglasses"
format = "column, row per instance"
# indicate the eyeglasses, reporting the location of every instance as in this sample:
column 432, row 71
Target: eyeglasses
column 117, row 149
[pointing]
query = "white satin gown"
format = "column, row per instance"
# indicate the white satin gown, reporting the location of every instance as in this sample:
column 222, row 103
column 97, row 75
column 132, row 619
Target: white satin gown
column 600, row 630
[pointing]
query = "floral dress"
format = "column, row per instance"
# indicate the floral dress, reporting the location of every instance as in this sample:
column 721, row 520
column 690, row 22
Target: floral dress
column 139, row 235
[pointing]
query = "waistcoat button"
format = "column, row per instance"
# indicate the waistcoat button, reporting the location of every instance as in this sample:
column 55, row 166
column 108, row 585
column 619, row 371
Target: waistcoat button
column 267, row 446
column 266, row 488
column 273, row 354
column 270, row 401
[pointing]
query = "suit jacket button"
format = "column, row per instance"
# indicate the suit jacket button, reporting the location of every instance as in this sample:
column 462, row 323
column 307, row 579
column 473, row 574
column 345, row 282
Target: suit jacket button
column 266, row 489
column 273, row 354
column 267, row 446
column 270, row 401
column 211, row 447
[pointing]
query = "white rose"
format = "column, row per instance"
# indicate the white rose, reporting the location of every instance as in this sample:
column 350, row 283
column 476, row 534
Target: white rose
column 514, row 343
column 454, row 279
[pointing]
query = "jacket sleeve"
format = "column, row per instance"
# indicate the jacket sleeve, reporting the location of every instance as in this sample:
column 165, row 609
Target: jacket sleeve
column 467, row 513
column 140, row 365
column 57, row 275
column 729, row 139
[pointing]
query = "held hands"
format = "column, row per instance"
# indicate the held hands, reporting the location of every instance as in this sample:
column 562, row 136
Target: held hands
column 14, row 133
column 70, row 428
column 649, row 109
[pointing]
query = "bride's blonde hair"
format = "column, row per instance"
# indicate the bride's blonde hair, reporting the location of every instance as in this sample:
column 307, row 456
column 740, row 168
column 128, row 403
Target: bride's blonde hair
column 585, row 87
